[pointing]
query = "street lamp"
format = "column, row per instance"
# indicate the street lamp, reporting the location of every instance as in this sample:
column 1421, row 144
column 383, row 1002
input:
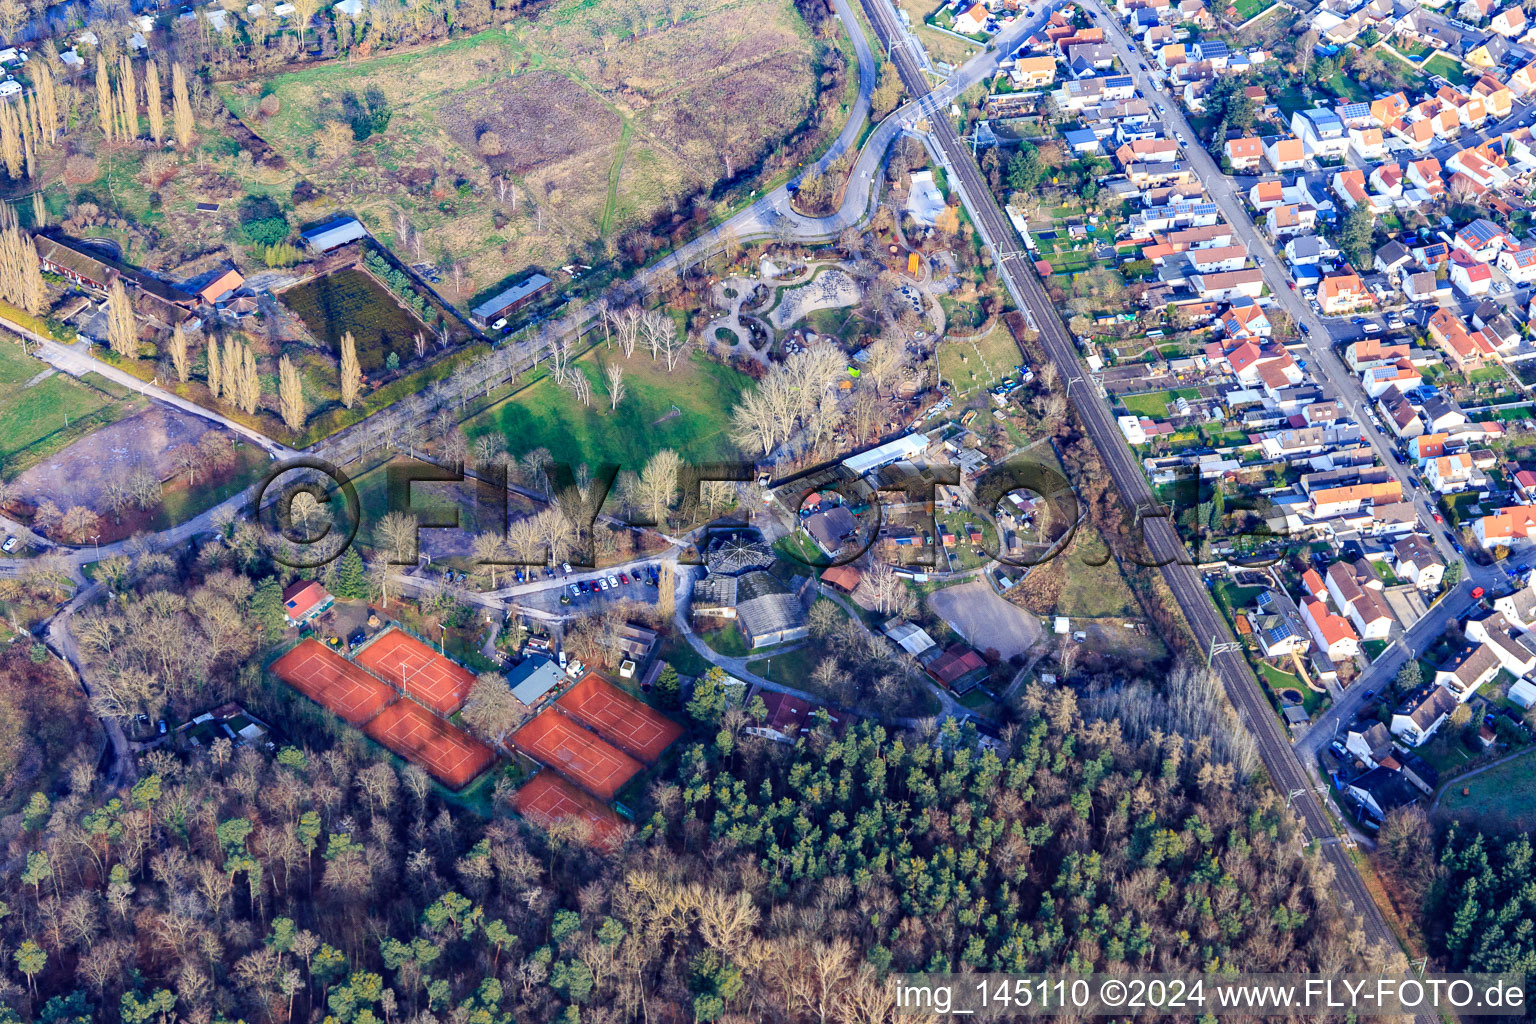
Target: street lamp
column 96, row 539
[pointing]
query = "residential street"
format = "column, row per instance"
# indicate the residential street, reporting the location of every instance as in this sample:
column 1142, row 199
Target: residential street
column 1378, row 678
column 1328, row 367
column 1206, row 622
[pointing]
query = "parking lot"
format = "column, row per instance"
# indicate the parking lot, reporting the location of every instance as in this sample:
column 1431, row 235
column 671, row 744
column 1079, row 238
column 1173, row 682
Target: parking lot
column 554, row 594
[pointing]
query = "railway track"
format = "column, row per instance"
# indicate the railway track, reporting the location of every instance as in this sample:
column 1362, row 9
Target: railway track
column 1205, row 620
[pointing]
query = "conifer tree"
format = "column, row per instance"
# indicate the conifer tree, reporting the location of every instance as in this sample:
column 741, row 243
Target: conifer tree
column 352, row 576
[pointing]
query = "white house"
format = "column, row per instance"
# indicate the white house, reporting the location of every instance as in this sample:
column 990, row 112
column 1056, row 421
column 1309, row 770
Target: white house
column 1415, row 560
column 1418, row 718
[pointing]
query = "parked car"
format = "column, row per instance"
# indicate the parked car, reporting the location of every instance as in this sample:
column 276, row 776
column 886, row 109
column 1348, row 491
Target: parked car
column 613, row 581
column 9, row 545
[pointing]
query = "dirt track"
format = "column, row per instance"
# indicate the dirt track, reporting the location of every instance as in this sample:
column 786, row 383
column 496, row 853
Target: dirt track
column 986, row 620
column 79, row 474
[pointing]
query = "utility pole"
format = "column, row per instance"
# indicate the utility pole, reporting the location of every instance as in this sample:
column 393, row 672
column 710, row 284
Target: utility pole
column 1227, row 647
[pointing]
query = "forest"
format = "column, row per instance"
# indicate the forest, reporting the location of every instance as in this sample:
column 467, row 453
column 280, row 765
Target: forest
column 1483, row 907
column 763, row 882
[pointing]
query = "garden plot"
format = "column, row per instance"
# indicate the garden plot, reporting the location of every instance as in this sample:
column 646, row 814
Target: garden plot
column 830, row 289
column 350, row 300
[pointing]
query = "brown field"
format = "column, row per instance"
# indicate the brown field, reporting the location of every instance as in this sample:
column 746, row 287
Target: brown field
column 606, row 114
column 539, row 118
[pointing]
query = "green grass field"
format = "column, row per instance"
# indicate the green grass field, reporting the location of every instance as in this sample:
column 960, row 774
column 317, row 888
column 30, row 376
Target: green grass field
column 1247, row 9
column 1500, row 799
column 968, row 364
column 47, row 416
column 687, row 410
column 1447, row 69
column 1347, row 88
column 792, row 668
column 1155, row 404
column 181, row 501
column 428, row 499
column 1094, row 591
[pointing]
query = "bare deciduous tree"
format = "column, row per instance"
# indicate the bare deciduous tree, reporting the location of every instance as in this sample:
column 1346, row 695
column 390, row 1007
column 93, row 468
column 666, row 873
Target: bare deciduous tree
column 615, row 377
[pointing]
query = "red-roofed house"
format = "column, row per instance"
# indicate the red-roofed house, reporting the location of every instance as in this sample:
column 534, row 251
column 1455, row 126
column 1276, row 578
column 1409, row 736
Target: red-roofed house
column 1451, row 334
column 1506, row 527
column 789, row 717
column 1245, row 154
column 1525, row 484
column 959, row 668
column 1332, row 633
column 1312, row 582
column 1471, row 278
column 1510, row 22
column 1389, row 108
column 221, row 286
column 1349, row 186
column 1286, row 154
column 304, row 600
column 1343, row 293
column 1266, row 194
column 1519, row 265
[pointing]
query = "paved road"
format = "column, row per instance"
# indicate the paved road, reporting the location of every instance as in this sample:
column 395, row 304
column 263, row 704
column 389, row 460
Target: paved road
column 62, row 643
column 772, row 216
column 78, row 360
column 1378, row 678
column 1205, row 621
column 1325, row 364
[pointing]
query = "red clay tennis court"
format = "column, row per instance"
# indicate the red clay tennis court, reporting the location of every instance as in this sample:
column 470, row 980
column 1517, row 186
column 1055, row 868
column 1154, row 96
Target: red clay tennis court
column 333, row 682
column 548, row 798
column 407, row 663
column 629, row 724
column 599, row 767
column 418, row 735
